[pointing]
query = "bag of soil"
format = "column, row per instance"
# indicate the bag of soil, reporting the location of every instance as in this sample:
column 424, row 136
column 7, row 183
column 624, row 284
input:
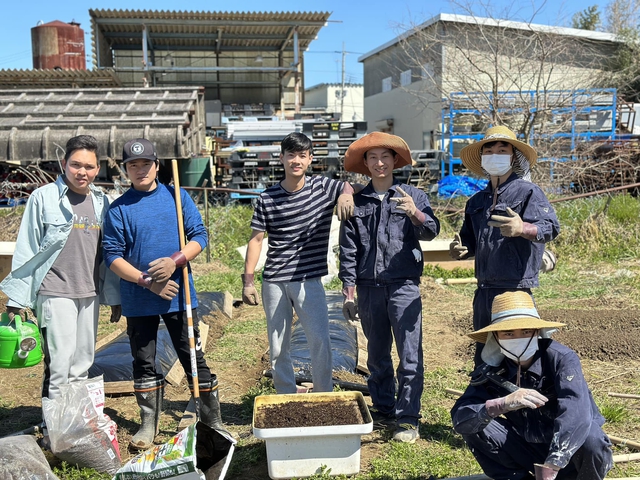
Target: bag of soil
column 79, row 432
column 21, row 458
column 198, row 452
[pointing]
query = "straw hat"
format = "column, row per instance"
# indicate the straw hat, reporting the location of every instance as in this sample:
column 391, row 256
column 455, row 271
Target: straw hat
column 354, row 157
column 513, row 311
column 471, row 155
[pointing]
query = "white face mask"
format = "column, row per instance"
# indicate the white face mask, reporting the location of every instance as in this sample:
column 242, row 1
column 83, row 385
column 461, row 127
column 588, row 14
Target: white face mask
column 496, row 164
column 519, row 349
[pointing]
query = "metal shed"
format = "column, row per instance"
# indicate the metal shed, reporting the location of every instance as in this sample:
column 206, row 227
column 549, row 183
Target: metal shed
column 240, row 57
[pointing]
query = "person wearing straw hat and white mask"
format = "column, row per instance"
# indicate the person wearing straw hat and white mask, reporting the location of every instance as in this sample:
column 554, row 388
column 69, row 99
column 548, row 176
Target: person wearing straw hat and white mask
column 380, row 254
column 532, row 413
column 506, row 225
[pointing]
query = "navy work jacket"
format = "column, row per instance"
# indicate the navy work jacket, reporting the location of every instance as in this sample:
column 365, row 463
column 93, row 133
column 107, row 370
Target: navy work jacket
column 379, row 243
column 508, row 262
column 563, row 422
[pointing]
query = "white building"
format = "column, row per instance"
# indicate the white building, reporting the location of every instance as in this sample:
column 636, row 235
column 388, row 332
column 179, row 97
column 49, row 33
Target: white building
column 406, row 79
column 326, row 98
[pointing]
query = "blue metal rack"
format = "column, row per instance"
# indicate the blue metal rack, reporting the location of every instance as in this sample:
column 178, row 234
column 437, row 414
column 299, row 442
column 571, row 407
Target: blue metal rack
column 568, row 105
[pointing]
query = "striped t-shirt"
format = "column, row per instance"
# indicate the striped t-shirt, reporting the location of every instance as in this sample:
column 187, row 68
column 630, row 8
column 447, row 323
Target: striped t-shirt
column 298, row 226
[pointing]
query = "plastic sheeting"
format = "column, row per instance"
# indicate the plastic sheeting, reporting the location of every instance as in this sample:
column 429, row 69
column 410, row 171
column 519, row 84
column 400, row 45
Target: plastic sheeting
column 115, row 362
column 460, row 185
column 344, row 342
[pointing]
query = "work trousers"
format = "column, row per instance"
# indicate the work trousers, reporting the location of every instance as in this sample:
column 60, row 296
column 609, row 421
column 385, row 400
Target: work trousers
column 482, row 303
column 68, row 327
column 143, row 336
column 505, row 455
column 310, row 304
column 388, row 312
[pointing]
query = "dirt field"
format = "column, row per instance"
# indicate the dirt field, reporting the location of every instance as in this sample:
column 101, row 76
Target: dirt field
column 604, row 333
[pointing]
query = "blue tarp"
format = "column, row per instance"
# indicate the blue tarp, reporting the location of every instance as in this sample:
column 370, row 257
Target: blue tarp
column 460, row 185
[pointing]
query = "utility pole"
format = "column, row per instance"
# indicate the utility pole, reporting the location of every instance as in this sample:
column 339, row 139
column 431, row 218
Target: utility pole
column 342, row 92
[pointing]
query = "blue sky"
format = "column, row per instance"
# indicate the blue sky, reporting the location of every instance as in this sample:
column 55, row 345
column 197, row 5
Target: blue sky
column 361, row 25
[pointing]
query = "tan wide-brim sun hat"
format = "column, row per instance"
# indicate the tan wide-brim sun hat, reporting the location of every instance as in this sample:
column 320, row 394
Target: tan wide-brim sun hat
column 354, row 157
column 471, row 155
column 513, row 311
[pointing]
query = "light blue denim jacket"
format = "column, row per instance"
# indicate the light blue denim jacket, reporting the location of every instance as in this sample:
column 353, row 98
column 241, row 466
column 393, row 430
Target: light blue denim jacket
column 46, row 225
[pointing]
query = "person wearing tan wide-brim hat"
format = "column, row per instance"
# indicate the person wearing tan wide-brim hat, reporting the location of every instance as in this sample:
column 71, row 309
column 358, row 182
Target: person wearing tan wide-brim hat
column 506, row 225
column 380, row 254
column 529, row 412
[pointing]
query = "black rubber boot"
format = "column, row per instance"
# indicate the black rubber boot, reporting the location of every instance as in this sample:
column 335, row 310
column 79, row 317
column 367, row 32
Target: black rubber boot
column 210, row 405
column 149, row 393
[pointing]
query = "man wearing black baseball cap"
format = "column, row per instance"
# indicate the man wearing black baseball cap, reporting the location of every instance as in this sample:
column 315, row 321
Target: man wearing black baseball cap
column 142, row 246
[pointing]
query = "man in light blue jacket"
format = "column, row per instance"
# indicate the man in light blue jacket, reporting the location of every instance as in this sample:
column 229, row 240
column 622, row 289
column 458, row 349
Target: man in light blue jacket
column 56, row 266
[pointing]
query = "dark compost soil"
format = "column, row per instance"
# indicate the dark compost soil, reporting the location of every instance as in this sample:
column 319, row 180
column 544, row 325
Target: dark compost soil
column 308, row 414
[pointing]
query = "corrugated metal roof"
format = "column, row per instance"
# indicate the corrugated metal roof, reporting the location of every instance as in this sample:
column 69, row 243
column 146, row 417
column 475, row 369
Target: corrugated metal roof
column 35, row 78
column 34, row 122
column 223, row 31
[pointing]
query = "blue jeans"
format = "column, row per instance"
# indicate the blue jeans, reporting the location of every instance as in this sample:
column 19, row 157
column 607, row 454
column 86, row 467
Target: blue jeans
column 397, row 310
column 310, row 303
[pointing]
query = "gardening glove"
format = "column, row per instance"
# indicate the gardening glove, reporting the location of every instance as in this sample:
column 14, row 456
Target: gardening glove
column 13, row 311
column 165, row 290
column 161, row 269
column 457, row 250
column 249, row 293
column 349, row 307
column 549, row 261
column 524, row 398
column 116, row 313
column 513, row 226
column 405, row 202
column 345, row 206
column 545, row 472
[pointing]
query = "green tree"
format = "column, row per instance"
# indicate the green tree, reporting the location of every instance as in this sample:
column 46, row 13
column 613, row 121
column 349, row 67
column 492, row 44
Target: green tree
column 587, row 19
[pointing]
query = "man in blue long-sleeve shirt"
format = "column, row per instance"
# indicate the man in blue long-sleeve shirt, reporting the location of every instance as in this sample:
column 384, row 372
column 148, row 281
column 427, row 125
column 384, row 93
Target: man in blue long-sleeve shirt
column 507, row 224
column 142, row 246
column 380, row 254
column 543, row 421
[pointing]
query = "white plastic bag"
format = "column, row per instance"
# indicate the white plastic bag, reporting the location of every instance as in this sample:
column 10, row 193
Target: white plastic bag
column 80, row 433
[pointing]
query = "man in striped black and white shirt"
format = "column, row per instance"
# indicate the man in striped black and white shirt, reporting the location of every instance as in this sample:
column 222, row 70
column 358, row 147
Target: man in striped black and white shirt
column 296, row 215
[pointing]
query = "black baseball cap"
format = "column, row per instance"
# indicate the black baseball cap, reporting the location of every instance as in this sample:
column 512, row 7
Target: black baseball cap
column 139, row 148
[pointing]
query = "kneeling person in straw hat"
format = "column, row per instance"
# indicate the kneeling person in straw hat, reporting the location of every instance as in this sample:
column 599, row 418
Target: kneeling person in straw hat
column 380, row 253
column 506, row 225
column 530, row 412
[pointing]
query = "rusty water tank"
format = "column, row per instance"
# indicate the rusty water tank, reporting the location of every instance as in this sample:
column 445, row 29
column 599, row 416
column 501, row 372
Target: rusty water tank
column 58, row 45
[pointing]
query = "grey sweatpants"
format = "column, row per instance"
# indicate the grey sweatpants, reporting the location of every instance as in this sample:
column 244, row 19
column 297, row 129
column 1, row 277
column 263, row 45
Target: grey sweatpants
column 309, row 301
column 69, row 327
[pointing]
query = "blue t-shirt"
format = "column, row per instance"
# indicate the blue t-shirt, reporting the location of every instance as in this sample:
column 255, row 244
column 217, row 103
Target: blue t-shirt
column 141, row 227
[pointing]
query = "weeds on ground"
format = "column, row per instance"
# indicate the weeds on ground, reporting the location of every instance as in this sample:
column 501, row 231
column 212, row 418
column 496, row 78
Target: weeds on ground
column 263, row 387
column 70, row 472
column 436, row 271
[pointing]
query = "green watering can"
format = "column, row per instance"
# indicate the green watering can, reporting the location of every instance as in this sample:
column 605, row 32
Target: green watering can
column 19, row 343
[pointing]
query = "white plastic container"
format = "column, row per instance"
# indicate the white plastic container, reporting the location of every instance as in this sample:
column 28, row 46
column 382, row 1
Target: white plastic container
column 304, row 451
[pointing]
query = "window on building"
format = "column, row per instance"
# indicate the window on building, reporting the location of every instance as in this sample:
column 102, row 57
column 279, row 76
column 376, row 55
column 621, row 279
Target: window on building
column 386, row 84
column 428, row 72
column 405, row 78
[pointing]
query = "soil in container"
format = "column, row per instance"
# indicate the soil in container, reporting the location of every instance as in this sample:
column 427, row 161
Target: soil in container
column 308, row 414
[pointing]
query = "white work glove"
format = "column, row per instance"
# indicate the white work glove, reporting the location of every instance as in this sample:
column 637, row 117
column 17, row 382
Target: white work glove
column 457, row 250
column 405, row 202
column 524, row 398
column 510, row 226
